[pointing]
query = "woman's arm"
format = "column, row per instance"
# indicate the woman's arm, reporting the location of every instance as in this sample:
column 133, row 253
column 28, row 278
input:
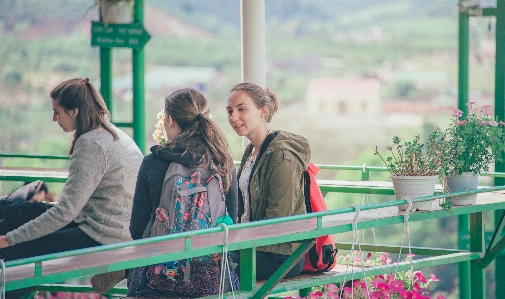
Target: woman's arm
column 86, row 170
column 232, row 197
column 141, row 211
column 285, row 184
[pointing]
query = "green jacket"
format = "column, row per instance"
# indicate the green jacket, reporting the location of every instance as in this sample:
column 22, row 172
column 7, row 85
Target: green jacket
column 276, row 186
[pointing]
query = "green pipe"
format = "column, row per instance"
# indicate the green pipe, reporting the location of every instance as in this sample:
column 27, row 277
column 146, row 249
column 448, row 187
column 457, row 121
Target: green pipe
column 26, row 156
column 138, row 84
column 106, row 77
column 463, row 58
column 500, row 114
column 478, row 275
column 417, row 216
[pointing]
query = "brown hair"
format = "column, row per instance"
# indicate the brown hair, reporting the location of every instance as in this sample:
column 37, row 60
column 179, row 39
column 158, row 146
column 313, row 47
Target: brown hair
column 92, row 111
column 261, row 97
column 188, row 108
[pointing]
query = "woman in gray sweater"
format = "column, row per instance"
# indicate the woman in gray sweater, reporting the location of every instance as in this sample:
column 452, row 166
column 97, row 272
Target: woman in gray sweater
column 96, row 202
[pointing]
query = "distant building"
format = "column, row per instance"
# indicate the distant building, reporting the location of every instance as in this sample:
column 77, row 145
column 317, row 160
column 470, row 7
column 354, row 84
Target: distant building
column 344, row 96
column 167, row 78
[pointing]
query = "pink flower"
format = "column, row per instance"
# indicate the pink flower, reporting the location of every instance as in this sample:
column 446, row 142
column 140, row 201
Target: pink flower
column 487, row 107
column 315, row 295
column 417, row 287
column 333, row 288
column 369, row 255
column 493, row 123
column 457, row 113
column 376, row 282
column 397, row 285
column 433, row 277
column 332, row 295
column 470, row 103
column 405, row 294
column 410, row 255
column 461, row 122
column 441, row 297
column 483, row 122
column 420, row 277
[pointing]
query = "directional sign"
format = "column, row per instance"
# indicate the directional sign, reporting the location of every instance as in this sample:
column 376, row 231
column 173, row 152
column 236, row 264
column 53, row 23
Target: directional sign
column 118, row 35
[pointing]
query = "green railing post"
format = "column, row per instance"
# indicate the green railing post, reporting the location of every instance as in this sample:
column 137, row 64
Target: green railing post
column 463, row 56
column 365, row 173
column 106, row 76
column 499, row 104
column 248, row 269
column 138, row 84
column 478, row 288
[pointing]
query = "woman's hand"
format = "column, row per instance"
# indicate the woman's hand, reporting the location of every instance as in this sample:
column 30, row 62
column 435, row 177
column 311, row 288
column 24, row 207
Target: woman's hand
column 3, row 242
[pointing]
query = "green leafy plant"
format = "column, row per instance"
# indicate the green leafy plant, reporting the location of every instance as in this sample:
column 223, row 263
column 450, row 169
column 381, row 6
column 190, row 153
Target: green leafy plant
column 414, row 158
column 475, row 141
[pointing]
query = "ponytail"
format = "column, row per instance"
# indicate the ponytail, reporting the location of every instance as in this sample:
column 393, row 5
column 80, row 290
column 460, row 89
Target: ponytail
column 188, row 108
column 92, row 111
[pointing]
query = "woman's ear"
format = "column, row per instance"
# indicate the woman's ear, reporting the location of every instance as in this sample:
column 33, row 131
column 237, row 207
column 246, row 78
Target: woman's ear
column 264, row 111
column 74, row 112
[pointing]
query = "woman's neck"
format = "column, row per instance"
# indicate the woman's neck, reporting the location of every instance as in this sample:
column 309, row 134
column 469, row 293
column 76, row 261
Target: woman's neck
column 259, row 137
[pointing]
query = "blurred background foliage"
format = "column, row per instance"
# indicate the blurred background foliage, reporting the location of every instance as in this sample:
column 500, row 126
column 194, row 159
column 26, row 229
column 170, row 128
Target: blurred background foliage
column 45, row 42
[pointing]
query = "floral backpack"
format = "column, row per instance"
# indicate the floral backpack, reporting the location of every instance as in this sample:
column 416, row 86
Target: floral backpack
column 191, row 199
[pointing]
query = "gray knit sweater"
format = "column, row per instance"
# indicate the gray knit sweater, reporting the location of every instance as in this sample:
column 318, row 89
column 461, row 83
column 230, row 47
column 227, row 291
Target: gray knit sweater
column 98, row 194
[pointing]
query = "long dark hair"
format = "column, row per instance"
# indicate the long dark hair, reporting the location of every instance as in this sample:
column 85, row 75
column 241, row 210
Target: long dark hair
column 92, row 111
column 188, row 108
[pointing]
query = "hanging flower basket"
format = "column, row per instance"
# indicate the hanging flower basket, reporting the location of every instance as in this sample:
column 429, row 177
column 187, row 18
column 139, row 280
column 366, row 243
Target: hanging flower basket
column 116, row 11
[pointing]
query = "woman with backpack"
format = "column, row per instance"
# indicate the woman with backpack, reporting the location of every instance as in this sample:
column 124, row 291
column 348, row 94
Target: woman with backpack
column 274, row 163
column 102, row 172
column 195, row 145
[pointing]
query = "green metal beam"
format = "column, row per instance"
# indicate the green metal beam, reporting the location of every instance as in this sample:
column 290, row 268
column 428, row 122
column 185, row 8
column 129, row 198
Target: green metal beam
column 139, row 134
column 106, row 77
column 492, row 254
column 248, row 269
column 335, row 277
column 283, row 269
column 478, row 275
column 396, row 249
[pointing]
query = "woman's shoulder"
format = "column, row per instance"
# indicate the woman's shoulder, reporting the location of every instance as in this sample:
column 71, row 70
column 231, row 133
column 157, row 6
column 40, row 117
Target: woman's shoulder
column 290, row 146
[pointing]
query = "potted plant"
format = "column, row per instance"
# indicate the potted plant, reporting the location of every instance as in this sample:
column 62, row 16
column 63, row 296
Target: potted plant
column 475, row 142
column 415, row 166
column 115, row 11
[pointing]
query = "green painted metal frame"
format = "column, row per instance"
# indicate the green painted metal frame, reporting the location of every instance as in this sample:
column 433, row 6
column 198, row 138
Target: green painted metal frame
column 247, row 247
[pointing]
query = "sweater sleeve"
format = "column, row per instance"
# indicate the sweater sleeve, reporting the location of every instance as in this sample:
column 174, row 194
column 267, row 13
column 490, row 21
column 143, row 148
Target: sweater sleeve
column 86, row 170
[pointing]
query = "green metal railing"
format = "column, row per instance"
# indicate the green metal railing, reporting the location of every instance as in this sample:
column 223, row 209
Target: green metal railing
column 439, row 256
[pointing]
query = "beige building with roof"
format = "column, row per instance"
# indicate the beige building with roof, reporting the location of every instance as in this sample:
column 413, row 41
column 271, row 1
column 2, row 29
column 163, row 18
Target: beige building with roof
column 344, row 96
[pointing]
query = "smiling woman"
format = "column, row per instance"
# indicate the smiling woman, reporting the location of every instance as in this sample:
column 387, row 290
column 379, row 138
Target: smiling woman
column 270, row 173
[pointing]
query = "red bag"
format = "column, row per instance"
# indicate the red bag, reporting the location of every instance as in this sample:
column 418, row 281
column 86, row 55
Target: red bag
column 321, row 257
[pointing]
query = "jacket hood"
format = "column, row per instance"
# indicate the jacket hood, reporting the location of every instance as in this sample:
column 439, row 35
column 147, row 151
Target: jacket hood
column 296, row 144
column 177, row 152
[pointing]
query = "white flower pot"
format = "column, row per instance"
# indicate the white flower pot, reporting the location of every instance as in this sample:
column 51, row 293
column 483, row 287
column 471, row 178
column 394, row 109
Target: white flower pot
column 460, row 183
column 116, row 12
column 414, row 187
